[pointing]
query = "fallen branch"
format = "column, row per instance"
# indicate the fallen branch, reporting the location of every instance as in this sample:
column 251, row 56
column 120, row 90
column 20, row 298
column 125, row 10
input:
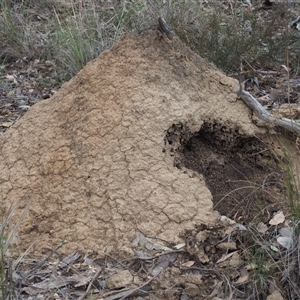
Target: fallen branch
column 264, row 116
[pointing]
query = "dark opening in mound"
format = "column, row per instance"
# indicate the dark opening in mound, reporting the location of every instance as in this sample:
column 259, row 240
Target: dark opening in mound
column 242, row 173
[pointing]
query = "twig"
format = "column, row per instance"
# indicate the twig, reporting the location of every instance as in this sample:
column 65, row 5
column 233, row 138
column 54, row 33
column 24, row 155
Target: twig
column 140, row 287
column 164, row 28
column 156, row 255
column 266, row 117
column 90, row 284
column 267, row 72
column 138, row 291
column 46, row 258
column 119, row 262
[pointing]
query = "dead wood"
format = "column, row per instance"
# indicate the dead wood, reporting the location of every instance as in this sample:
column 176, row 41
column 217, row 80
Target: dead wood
column 265, row 116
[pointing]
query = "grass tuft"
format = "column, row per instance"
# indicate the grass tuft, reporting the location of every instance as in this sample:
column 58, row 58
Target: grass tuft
column 238, row 35
column 74, row 33
column 8, row 235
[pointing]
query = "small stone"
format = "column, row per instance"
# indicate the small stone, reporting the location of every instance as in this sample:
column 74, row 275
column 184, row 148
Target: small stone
column 201, row 236
column 119, row 280
column 192, row 290
column 22, row 102
column 5, row 112
column 6, row 124
column 227, row 246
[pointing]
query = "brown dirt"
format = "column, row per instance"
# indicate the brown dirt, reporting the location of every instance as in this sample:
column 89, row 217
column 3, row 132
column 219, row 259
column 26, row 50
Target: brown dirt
column 110, row 152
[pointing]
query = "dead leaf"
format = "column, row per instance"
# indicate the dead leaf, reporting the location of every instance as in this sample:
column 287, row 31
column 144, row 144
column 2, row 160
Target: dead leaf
column 234, row 261
column 141, row 240
column 261, row 227
column 6, row 124
column 242, row 279
column 278, row 218
column 286, row 242
column 224, row 257
column 188, row 264
column 179, row 246
column 162, row 263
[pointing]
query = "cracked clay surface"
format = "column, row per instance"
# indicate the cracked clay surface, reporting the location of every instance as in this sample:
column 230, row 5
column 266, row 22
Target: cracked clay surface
column 94, row 159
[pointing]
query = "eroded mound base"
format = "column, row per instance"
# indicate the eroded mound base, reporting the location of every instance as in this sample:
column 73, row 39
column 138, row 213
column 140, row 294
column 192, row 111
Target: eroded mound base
column 242, row 172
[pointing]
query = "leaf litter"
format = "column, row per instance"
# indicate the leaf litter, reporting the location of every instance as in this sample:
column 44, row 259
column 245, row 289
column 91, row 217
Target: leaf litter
column 157, row 270
column 23, row 84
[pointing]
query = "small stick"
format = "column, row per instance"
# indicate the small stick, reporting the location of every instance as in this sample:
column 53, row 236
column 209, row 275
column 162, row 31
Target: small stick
column 164, row 28
column 266, row 117
column 90, row 284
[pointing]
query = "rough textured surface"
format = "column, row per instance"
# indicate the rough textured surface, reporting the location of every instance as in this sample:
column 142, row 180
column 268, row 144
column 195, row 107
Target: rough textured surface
column 290, row 111
column 95, row 159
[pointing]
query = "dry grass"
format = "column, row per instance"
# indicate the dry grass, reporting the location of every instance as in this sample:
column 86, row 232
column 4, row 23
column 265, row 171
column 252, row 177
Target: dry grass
column 8, row 236
column 74, row 33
